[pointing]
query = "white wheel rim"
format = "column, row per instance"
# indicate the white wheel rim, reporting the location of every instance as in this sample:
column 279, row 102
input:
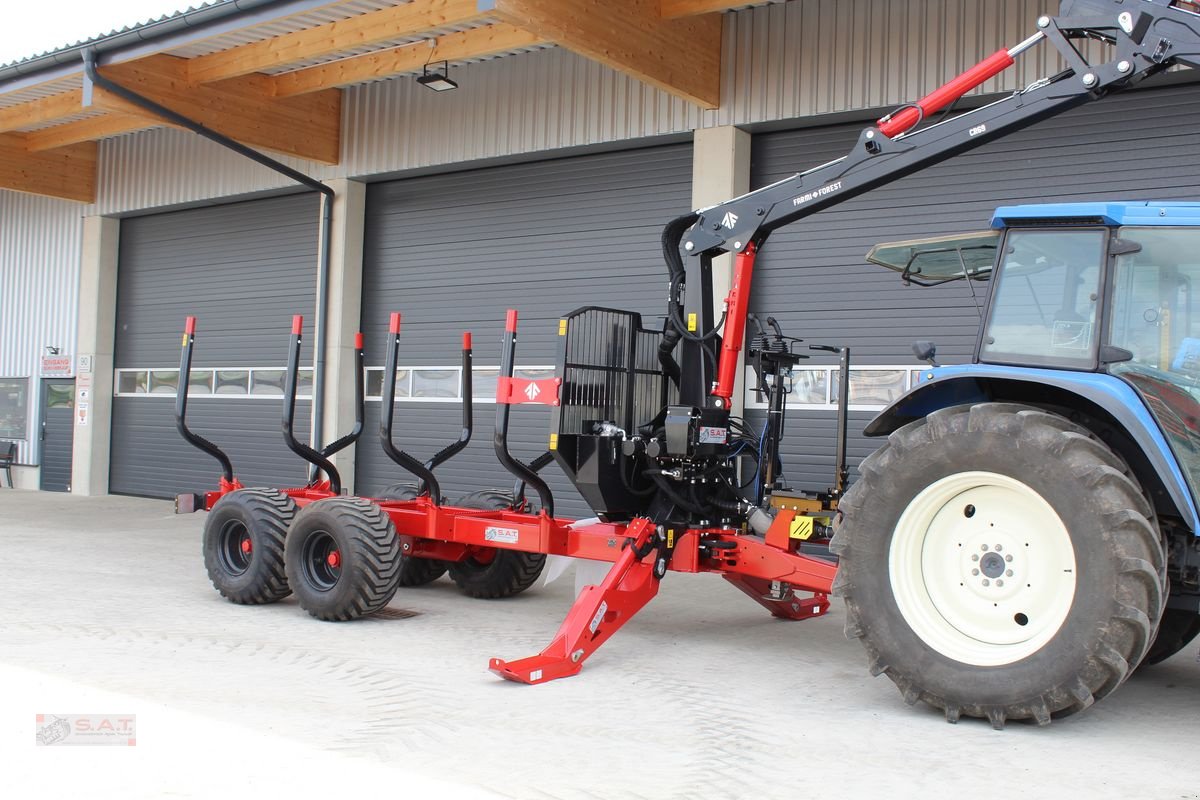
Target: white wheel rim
column 982, row 568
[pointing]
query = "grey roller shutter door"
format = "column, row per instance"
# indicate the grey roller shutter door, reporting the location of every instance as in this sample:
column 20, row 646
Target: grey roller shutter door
column 812, row 275
column 452, row 252
column 243, row 270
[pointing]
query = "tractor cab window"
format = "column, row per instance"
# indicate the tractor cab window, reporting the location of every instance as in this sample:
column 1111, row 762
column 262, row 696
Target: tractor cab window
column 1044, row 303
column 1155, row 316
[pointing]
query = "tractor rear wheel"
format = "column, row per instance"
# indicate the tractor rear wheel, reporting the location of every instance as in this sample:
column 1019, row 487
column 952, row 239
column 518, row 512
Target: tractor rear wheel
column 493, row 573
column 343, row 558
column 998, row 561
column 1178, row 628
column 243, row 545
column 414, row 571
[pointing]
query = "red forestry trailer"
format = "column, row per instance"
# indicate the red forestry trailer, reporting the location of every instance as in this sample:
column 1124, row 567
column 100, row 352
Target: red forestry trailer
column 642, row 425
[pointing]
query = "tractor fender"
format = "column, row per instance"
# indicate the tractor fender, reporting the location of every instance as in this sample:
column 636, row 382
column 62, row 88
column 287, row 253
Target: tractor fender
column 1105, row 400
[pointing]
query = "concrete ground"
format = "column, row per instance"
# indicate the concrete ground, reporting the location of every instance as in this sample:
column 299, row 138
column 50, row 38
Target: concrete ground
column 105, row 608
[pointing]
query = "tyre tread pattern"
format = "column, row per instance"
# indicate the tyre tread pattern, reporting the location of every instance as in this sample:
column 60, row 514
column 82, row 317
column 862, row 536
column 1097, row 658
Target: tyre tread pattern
column 270, row 513
column 372, row 566
column 1135, row 540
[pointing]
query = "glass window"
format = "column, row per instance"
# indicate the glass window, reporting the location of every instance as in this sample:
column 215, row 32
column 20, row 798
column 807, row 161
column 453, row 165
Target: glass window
column 267, row 382
column 133, row 382
column 14, row 407
column 435, row 383
column 1155, row 315
column 873, row 387
column 60, row 395
column 233, row 381
column 1044, row 305
column 164, row 381
column 304, row 382
column 484, row 383
column 200, row 381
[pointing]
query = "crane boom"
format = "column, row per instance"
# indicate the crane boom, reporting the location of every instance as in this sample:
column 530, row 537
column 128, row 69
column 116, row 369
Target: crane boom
column 1143, row 38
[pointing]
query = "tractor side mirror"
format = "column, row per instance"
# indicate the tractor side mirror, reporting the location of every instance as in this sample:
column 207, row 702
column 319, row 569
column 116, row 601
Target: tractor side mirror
column 925, row 351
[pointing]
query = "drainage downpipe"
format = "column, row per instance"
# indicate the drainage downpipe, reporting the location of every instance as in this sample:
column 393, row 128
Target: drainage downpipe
column 327, row 195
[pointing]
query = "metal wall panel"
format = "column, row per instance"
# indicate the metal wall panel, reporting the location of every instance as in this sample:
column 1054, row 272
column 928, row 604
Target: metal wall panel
column 812, row 275
column 452, row 252
column 243, row 270
column 40, row 244
column 781, row 61
column 149, row 459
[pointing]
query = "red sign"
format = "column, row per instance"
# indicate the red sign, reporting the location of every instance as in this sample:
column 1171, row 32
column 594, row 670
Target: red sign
column 57, row 366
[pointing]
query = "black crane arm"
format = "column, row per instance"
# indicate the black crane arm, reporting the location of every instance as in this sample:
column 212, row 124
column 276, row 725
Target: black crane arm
column 1142, row 38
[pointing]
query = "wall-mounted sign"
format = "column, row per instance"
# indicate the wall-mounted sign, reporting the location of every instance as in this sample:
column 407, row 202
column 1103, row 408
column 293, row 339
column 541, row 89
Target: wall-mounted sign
column 85, row 364
column 57, row 366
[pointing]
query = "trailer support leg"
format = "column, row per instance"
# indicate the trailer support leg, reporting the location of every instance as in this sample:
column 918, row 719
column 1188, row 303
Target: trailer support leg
column 780, row 598
column 597, row 614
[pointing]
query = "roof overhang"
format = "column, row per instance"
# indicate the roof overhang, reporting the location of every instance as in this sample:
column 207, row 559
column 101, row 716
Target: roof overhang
column 269, row 73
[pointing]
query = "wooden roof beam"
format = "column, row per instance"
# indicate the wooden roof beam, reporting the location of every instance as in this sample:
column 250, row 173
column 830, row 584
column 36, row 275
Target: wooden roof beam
column 243, row 108
column 674, row 9
column 679, row 56
column 367, row 29
column 88, row 130
column 68, row 172
column 489, row 40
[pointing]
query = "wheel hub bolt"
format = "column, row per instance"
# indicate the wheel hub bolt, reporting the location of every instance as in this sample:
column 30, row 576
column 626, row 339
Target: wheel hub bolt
column 1008, row 573
column 1008, row 558
column 334, row 559
column 986, row 582
column 983, row 547
column 999, row 582
column 974, row 556
column 974, row 572
column 999, row 548
column 246, row 546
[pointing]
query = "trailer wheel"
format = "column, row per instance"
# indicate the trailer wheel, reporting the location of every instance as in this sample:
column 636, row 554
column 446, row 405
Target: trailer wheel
column 495, row 573
column 1178, row 628
column 243, row 545
column 414, row 571
column 997, row 561
column 343, row 558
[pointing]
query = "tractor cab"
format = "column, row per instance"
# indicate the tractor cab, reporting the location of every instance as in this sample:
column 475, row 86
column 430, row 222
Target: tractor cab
column 1091, row 287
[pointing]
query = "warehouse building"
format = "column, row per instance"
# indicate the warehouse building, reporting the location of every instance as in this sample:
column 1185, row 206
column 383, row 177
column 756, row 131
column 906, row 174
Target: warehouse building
column 479, row 155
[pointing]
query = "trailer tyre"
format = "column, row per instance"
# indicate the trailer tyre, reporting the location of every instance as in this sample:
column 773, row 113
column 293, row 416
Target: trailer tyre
column 1178, row 628
column 495, row 573
column 998, row 561
column 243, row 545
column 343, row 558
column 414, row 571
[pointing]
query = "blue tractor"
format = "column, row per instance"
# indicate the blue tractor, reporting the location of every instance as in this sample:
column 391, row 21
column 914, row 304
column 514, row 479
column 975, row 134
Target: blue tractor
column 1027, row 536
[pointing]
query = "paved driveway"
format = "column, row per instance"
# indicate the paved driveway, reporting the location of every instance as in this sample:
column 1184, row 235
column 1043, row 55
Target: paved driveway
column 105, row 608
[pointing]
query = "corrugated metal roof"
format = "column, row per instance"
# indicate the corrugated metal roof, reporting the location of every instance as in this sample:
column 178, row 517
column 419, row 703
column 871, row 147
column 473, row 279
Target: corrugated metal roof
column 283, row 26
column 117, row 32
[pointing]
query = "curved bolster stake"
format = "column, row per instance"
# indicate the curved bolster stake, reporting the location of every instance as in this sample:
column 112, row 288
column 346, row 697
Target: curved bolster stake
column 424, row 473
column 181, row 398
column 289, row 413
column 522, row 471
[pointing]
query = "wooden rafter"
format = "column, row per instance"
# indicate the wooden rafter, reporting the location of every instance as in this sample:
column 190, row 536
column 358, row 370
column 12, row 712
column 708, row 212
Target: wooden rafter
column 68, row 172
column 674, row 9
column 241, row 108
column 679, row 56
column 476, row 43
column 372, row 28
column 87, row 130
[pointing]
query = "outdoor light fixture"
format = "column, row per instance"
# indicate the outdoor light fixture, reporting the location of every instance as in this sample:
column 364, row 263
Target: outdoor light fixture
column 437, row 80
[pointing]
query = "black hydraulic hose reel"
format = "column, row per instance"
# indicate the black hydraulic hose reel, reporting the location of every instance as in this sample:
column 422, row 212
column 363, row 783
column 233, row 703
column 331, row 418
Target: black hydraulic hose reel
column 181, row 398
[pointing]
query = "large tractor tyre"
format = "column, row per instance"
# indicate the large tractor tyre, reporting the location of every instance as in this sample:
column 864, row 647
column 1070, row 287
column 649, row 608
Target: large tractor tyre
column 1177, row 629
column 998, row 561
column 243, row 545
column 495, row 573
column 414, row 571
column 343, row 558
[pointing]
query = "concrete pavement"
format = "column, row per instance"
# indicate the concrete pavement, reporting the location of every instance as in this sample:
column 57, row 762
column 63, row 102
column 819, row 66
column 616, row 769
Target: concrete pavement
column 106, row 608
